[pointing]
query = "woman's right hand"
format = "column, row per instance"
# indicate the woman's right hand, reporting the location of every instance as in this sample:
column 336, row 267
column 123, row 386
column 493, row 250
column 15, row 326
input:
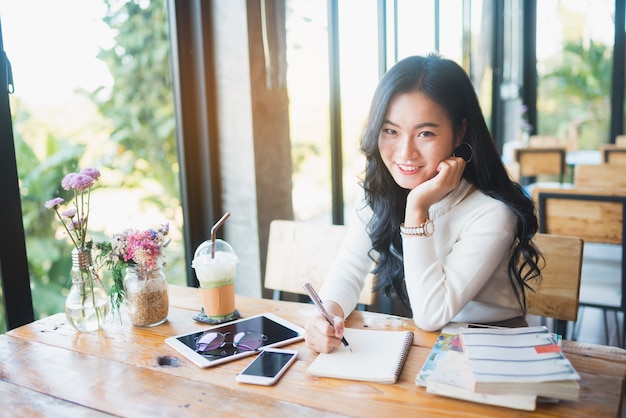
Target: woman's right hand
column 319, row 335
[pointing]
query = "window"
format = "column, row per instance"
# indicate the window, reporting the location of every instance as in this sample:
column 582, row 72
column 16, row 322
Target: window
column 92, row 89
column 574, row 66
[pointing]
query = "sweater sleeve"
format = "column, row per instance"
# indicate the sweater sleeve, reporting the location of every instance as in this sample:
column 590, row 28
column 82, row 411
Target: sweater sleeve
column 446, row 271
column 346, row 278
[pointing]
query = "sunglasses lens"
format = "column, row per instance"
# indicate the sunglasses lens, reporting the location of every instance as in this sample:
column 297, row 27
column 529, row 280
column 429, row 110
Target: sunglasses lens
column 210, row 341
column 248, row 340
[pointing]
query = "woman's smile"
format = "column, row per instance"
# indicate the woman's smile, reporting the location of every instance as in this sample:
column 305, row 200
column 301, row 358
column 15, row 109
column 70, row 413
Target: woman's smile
column 416, row 135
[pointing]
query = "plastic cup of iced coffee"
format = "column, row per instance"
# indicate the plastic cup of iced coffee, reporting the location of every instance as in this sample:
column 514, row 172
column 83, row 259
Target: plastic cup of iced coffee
column 215, row 264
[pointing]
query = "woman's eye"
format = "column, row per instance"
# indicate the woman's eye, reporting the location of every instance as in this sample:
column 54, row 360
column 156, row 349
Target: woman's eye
column 426, row 134
column 390, row 131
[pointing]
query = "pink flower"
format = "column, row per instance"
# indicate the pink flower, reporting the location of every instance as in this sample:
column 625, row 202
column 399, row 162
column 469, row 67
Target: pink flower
column 73, row 225
column 70, row 213
column 54, row 203
column 77, row 181
column 83, row 182
column 78, row 214
column 68, row 181
column 139, row 247
column 91, row 172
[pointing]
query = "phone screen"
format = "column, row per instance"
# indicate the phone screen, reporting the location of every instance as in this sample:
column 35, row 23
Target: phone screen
column 268, row 364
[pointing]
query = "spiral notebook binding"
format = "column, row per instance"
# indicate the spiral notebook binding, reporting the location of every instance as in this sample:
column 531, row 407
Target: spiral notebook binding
column 405, row 353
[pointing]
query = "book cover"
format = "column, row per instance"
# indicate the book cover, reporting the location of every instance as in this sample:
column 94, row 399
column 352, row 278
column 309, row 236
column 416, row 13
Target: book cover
column 453, row 378
column 448, row 340
column 524, row 360
column 446, row 372
column 377, row 356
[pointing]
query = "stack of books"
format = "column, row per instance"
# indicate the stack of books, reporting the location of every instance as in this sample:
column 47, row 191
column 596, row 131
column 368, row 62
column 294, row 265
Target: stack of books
column 511, row 367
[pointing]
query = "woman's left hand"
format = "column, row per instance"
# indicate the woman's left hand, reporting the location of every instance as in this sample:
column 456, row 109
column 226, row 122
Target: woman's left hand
column 420, row 199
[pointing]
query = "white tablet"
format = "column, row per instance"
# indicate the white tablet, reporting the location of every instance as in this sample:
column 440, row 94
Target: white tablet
column 226, row 342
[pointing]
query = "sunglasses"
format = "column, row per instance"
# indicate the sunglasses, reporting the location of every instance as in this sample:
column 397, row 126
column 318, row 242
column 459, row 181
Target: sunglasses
column 244, row 341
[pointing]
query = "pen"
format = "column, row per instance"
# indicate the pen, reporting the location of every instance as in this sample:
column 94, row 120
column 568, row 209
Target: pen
column 318, row 303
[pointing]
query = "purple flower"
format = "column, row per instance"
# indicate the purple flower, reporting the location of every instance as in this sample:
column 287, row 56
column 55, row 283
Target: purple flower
column 54, row 203
column 79, row 182
column 75, row 218
column 68, row 181
column 70, row 213
column 82, row 182
column 72, row 225
column 91, row 172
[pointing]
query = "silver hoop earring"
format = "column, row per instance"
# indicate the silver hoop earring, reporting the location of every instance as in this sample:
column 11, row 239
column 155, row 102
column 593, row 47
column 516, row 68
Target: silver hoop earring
column 460, row 152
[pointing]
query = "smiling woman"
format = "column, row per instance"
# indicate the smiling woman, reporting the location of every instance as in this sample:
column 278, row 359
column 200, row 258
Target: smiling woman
column 448, row 234
column 416, row 136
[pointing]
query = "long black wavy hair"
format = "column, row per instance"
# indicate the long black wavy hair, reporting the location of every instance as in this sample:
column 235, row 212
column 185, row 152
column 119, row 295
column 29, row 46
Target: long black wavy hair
column 447, row 84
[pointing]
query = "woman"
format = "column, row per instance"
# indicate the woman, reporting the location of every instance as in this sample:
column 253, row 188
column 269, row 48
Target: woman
column 448, row 229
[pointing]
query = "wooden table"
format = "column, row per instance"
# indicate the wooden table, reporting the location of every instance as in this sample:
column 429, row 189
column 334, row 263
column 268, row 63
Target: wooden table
column 49, row 369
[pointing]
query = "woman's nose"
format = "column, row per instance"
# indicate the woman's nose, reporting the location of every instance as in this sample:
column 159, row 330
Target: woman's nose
column 407, row 147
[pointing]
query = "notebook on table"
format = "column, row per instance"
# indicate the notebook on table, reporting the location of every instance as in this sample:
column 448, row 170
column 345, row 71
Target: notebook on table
column 377, row 356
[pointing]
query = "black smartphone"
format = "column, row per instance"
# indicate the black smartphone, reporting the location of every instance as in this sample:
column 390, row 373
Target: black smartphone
column 268, row 366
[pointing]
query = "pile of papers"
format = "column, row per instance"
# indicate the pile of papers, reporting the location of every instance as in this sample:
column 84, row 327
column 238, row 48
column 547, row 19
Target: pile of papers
column 511, row 367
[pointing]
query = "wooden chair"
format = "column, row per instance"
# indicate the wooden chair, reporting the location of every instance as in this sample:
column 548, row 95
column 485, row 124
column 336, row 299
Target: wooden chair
column 552, row 141
column 602, row 176
column 596, row 216
column 512, row 169
column 620, row 140
column 557, row 295
column 537, row 161
column 613, row 154
column 301, row 252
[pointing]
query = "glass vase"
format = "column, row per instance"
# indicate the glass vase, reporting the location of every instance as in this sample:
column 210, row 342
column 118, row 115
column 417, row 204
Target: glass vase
column 146, row 296
column 87, row 304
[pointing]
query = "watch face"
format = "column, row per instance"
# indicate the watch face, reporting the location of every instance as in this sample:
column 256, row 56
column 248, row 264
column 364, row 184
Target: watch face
column 429, row 228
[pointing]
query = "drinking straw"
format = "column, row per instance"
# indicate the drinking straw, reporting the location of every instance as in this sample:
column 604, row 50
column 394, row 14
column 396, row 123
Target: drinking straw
column 214, row 230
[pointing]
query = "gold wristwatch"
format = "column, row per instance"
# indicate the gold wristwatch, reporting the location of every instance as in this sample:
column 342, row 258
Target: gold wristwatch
column 424, row 230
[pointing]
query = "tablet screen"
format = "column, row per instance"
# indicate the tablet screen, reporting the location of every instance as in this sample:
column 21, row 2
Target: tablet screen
column 236, row 339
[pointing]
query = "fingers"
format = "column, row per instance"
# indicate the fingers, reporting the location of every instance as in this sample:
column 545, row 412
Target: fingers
column 320, row 336
column 453, row 165
column 449, row 174
column 338, row 327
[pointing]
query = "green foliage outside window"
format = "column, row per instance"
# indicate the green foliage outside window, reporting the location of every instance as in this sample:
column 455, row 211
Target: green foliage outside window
column 576, row 93
column 138, row 125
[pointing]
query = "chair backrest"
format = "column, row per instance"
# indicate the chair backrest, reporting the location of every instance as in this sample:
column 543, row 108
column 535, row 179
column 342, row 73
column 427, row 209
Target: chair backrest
column 552, row 141
column 299, row 252
column 594, row 215
column 512, row 168
column 558, row 293
column 537, row 161
column 620, row 140
column 601, row 176
column 544, row 141
column 613, row 154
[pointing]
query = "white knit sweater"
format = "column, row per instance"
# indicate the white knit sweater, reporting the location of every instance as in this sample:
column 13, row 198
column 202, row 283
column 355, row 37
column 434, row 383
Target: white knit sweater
column 458, row 274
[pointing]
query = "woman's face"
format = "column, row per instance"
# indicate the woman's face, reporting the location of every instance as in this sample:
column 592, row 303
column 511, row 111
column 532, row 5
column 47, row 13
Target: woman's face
column 416, row 135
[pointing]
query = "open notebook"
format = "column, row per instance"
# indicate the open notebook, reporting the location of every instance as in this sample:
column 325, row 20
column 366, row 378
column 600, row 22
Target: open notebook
column 377, row 356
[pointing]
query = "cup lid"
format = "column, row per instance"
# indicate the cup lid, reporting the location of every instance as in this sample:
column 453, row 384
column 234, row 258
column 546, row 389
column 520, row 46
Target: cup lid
column 203, row 252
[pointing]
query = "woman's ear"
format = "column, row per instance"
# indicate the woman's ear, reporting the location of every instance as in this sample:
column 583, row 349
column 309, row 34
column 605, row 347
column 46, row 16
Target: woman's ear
column 461, row 134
